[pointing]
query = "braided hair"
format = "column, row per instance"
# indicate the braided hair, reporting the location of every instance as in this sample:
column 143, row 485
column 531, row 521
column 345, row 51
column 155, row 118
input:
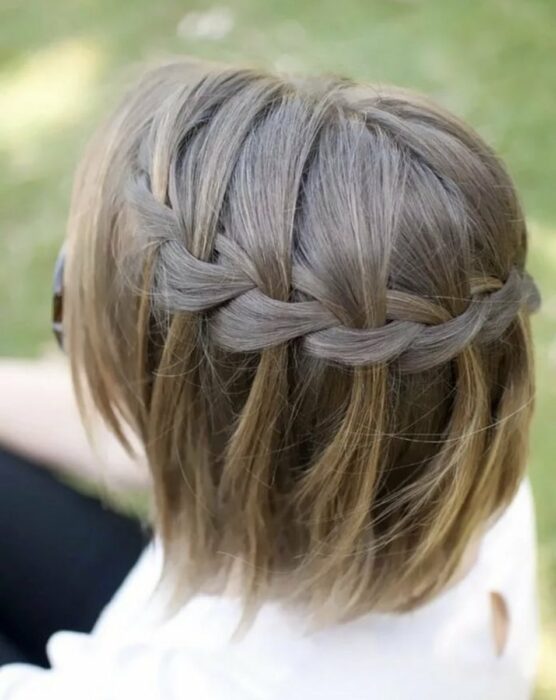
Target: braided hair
column 309, row 299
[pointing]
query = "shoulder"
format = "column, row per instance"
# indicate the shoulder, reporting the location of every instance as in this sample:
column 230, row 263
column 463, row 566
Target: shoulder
column 508, row 549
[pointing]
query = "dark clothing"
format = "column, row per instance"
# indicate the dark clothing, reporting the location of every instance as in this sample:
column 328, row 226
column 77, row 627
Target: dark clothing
column 63, row 555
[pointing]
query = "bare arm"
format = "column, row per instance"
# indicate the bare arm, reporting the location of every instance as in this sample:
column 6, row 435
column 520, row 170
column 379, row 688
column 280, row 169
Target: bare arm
column 39, row 419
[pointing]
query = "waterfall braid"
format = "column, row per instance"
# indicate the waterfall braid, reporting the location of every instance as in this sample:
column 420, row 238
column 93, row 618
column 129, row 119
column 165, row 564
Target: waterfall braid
column 309, row 299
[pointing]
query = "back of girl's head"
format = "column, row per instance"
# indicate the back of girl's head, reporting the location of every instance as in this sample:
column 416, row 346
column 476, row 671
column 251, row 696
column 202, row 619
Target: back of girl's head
column 309, row 300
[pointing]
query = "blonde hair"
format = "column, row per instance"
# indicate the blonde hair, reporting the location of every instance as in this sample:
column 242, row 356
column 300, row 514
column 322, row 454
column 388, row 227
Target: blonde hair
column 309, row 300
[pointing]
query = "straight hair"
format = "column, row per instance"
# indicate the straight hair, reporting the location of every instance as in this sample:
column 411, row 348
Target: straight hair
column 308, row 298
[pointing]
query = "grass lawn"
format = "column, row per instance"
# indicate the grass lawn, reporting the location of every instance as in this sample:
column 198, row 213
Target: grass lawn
column 63, row 62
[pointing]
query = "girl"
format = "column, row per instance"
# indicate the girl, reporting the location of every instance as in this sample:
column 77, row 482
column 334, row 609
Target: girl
column 307, row 301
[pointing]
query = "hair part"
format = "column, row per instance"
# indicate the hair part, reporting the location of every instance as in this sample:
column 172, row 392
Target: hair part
column 309, row 300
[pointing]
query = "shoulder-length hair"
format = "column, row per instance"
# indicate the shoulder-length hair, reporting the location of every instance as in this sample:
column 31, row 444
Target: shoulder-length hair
column 309, row 300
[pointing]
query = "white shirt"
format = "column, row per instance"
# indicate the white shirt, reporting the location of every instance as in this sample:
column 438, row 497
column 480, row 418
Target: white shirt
column 443, row 650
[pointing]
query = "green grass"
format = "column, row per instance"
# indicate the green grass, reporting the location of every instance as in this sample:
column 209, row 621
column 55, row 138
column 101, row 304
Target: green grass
column 63, row 62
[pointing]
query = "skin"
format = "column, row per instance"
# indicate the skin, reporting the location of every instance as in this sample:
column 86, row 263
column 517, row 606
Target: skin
column 39, row 419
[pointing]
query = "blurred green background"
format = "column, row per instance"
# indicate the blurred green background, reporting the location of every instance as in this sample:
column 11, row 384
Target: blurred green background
column 64, row 62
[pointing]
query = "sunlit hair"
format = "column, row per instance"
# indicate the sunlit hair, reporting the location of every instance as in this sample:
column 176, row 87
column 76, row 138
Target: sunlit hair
column 309, row 300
